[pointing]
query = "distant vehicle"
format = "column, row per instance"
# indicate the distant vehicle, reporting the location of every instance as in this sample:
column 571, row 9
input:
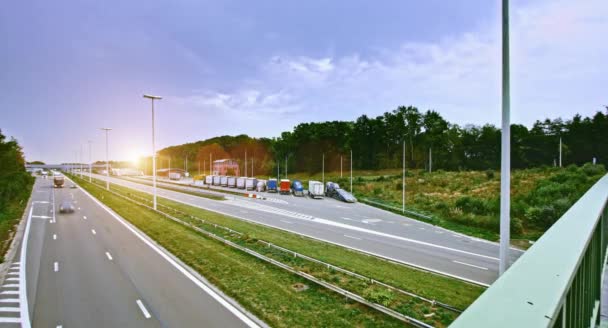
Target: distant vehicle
column 240, row 182
column 216, row 180
column 343, row 195
column 315, row 189
column 66, row 207
column 223, row 181
column 58, row 181
column 232, row 182
column 209, row 180
column 175, row 176
column 271, row 185
column 296, row 188
column 73, row 186
column 261, row 185
column 285, row 186
column 330, row 188
column 251, row 183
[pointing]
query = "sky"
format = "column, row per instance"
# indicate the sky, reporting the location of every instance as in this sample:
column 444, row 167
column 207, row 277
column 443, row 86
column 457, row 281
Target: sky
column 261, row 67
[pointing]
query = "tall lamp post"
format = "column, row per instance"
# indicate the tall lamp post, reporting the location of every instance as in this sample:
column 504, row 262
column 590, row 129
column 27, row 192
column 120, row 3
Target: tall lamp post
column 152, row 98
column 90, row 162
column 107, row 161
column 505, row 161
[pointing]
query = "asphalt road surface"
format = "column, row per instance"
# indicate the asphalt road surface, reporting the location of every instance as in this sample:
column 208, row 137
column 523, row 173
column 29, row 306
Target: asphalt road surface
column 356, row 226
column 91, row 268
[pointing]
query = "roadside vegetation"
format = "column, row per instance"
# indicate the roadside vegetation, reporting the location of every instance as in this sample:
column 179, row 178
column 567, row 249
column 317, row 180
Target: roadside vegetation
column 446, row 290
column 15, row 190
column 469, row 201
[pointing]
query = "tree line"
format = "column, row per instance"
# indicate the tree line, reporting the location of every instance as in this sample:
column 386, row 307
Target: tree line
column 377, row 143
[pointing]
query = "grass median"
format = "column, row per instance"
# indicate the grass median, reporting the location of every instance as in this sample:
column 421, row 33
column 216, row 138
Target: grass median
column 444, row 289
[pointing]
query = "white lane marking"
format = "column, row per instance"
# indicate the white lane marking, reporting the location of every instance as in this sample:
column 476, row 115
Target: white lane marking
column 40, row 202
column 288, row 222
column 421, row 228
column 9, row 300
column 23, row 305
column 248, row 321
column 143, row 309
column 12, row 279
column 59, row 326
column 93, row 231
column 84, row 216
column 12, row 320
column 10, row 285
column 109, row 256
column 41, row 217
column 56, row 266
column 9, row 292
column 9, row 309
column 349, row 219
column 347, row 236
column 54, row 236
column 471, row 265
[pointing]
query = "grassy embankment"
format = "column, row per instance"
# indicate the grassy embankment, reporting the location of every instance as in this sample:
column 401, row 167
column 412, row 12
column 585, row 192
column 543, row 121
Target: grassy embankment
column 14, row 199
column 468, row 201
column 443, row 289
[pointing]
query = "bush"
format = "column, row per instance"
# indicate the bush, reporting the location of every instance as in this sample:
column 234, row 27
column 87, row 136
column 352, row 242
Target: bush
column 378, row 295
column 542, row 216
column 591, row 170
column 490, row 174
column 472, row 205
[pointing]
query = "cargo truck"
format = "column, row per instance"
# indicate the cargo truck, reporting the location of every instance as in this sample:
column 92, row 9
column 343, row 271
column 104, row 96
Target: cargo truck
column 296, row 188
column 175, row 176
column 240, row 182
column 209, row 180
column 315, row 189
column 331, row 188
column 58, row 181
column 223, row 181
column 232, row 182
column 285, row 186
column 216, row 180
column 271, row 185
column 251, row 183
column 261, row 185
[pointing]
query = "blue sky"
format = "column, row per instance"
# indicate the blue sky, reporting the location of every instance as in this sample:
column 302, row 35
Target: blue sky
column 231, row 67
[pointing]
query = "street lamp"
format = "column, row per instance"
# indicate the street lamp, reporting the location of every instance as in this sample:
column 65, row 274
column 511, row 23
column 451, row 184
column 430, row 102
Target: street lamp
column 505, row 150
column 90, row 162
column 107, row 161
column 152, row 98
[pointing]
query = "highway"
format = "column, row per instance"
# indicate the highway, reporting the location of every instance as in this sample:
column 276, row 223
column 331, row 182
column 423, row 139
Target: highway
column 91, row 268
column 357, row 226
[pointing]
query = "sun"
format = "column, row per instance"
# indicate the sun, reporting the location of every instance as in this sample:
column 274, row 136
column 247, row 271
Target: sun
column 134, row 157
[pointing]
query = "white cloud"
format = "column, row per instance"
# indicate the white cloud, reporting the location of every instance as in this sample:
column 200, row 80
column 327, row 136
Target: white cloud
column 558, row 59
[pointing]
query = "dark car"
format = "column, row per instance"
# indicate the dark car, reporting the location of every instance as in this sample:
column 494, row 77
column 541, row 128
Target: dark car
column 330, row 189
column 343, row 195
column 66, row 207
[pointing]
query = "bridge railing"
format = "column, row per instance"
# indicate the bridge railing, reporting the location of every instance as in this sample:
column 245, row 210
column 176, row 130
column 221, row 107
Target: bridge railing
column 558, row 281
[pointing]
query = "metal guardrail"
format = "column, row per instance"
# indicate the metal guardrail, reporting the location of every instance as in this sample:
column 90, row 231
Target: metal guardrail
column 558, row 281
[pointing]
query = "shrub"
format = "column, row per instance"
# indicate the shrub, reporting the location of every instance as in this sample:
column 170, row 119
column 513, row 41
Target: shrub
column 490, row 174
column 472, row 205
column 379, row 295
column 591, row 170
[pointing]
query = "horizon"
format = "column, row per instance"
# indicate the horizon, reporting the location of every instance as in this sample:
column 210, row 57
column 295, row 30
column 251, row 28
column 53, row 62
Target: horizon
column 260, row 69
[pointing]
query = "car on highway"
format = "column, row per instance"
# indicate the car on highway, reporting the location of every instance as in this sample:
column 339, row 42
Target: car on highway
column 66, row 207
column 343, row 195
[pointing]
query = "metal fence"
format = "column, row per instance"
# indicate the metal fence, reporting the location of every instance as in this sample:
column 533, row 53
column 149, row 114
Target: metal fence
column 558, row 281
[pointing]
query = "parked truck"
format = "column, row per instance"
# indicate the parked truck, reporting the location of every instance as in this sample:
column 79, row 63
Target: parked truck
column 261, row 186
column 271, row 185
column 175, row 176
column 315, row 189
column 240, row 182
column 58, row 181
column 223, row 181
column 209, row 180
column 296, row 188
column 251, row 183
column 285, row 186
column 216, row 180
column 330, row 188
column 232, row 182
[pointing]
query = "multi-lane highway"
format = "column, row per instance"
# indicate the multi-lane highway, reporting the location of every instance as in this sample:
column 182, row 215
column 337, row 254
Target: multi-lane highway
column 356, row 226
column 91, row 268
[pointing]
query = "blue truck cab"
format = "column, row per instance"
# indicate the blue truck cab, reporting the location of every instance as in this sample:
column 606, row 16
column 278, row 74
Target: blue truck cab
column 296, row 188
column 271, row 185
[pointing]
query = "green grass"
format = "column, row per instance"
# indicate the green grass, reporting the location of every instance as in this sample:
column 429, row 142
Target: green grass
column 263, row 289
column 441, row 288
column 468, row 201
column 10, row 216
